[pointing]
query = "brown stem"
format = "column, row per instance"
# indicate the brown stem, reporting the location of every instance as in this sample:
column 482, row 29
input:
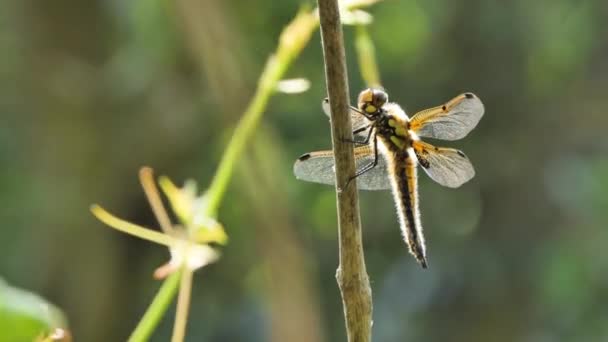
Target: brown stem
column 351, row 274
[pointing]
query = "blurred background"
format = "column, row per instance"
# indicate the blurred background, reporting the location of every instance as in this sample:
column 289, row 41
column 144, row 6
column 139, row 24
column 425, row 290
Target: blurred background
column 90, row 91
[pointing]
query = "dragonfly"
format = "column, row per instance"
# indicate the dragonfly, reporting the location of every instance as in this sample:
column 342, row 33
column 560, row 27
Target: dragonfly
column 388, row 150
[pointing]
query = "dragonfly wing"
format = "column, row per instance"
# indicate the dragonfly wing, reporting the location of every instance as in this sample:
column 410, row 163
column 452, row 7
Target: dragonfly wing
column 318, row 167
column 376, row 178
column 446, row 166
column 357, row 119
column 451, row 121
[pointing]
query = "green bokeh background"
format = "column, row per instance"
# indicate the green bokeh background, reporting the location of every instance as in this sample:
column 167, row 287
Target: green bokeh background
column 90, row 91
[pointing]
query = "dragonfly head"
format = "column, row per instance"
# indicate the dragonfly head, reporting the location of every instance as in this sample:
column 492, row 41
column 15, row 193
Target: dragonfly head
column 371, row 101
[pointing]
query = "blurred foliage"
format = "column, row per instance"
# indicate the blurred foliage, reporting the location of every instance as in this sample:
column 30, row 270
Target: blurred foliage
column 91, row 91
column 24, row 316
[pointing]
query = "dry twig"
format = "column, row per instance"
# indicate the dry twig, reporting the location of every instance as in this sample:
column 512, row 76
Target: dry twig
column 351, row 274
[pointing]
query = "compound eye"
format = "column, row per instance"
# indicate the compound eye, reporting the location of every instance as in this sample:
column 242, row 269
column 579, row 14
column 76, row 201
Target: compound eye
column 380, row 98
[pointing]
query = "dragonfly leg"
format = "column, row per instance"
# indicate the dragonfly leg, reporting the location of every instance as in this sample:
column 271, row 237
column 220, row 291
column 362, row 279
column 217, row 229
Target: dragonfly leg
column 368, row 166
column 359, row 130
column 369, row 134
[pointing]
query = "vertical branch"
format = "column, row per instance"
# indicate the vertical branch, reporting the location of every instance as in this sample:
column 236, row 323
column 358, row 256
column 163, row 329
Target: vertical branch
column 351, row 274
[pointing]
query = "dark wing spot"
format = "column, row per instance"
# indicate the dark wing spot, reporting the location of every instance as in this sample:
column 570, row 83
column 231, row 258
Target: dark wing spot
column 423, row 161
column 444, row 108
column 469, row 95
column 326, row 100
column 460, row 153
column 304, row 157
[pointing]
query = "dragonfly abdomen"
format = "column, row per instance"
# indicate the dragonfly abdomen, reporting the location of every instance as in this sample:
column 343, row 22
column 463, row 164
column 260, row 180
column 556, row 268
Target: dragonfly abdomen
column 405, row 192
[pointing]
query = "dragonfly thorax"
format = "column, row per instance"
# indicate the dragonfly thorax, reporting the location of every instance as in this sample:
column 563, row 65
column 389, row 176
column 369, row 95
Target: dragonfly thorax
column 393, row 131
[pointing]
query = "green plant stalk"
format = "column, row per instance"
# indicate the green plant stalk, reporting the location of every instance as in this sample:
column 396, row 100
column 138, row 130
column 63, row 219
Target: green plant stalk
column 157, row 308
column 241, row 135
column 293, row 39
column 367, row 57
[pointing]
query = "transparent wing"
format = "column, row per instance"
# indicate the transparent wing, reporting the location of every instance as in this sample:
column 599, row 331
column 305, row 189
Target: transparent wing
column 357, row 120
column 446, row 166
column 318, row 167
column 451, row 121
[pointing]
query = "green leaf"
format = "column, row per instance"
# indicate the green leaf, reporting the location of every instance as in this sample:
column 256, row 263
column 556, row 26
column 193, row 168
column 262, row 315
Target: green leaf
column 24, row 315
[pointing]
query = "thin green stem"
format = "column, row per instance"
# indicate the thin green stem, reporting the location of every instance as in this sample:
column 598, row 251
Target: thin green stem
column 239, row 139
column 157, row 308
column 293, row 39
